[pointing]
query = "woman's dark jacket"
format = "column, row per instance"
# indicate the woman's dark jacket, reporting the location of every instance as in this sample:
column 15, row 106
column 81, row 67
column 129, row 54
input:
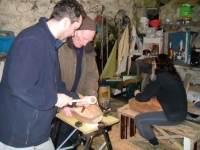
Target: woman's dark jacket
column 170, row 94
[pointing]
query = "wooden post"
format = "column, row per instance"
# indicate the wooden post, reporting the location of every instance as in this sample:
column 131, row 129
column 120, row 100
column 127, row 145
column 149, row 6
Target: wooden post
column 132, row 127
column 123, row 127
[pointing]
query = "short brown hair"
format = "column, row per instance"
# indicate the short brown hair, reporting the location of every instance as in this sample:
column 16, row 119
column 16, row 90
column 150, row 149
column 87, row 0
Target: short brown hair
column 67, row 8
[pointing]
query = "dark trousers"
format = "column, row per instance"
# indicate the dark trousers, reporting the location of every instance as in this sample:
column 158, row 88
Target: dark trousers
column 63, row 132
column 145, row 121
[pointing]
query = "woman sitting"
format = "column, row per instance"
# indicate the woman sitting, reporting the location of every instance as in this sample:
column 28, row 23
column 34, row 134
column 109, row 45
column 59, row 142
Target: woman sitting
column 168, row 88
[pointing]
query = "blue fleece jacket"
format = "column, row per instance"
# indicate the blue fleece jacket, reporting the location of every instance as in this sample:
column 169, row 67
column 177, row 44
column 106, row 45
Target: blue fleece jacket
column 29, row 87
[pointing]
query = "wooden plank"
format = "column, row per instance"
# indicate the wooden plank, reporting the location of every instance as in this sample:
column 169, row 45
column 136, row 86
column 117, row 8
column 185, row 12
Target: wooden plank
column 193, row 125
column 123, row 127
column 132, row 127
column 185, row 129
column 172, row 140
column 71, row 120
column 192, row 109
column 166, row 137
column 194, row 88
column 125, row 110
column 188, row 144
column 109, row 120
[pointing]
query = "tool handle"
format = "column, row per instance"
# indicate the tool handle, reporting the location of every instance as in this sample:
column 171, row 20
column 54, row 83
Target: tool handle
column 79, row 100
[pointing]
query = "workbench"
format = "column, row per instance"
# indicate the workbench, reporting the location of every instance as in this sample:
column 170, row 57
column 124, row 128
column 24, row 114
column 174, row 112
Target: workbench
column 89, row 132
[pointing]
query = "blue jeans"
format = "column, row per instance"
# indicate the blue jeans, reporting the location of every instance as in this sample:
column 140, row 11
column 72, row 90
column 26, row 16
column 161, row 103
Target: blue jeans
column 145, row 121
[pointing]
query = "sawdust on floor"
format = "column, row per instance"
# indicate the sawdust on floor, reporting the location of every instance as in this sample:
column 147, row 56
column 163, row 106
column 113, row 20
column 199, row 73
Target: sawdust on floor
column 128, row 144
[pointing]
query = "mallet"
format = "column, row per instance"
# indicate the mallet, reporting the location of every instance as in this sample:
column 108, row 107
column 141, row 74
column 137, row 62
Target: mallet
column 88, row 99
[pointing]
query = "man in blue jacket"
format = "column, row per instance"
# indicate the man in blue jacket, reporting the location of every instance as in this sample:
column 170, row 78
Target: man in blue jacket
column 31, row 86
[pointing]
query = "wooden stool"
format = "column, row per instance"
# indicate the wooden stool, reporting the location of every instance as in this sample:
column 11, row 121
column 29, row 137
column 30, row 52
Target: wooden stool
column 189, row 131
column 126, row 116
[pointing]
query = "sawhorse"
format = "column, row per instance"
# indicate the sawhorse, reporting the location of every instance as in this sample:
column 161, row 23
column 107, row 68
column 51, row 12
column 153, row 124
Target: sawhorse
column 88, row 133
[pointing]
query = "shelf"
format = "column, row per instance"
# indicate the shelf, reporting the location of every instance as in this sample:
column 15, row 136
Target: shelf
column 185, row 65
column 147, row 42
column 191, row 24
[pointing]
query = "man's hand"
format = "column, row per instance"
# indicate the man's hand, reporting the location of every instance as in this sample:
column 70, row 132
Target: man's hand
column 136, row 92
column 63, row 100
column 80, row 95
column 66, row 111
column 82, row 104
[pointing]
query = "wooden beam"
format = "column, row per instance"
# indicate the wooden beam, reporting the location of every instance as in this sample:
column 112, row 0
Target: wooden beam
column 172, row 140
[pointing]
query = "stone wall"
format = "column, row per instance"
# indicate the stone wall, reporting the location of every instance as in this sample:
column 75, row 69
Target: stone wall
column 15, row 15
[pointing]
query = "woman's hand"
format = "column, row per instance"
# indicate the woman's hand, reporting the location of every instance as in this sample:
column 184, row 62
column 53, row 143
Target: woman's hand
column 136, row 92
